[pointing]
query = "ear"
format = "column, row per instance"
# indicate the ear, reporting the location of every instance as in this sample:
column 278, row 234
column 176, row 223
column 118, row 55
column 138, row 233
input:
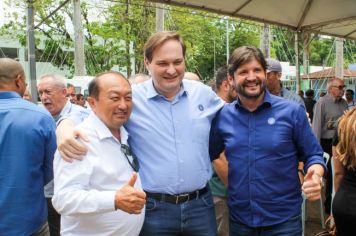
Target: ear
column 147, row 64
column 92, row 103
column 230, row 79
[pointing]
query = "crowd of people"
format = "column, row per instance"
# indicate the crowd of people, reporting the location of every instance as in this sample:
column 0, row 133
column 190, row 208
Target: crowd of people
column 164, row 154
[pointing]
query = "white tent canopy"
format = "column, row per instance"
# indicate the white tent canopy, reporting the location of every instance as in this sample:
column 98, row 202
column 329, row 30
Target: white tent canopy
column 328, row 17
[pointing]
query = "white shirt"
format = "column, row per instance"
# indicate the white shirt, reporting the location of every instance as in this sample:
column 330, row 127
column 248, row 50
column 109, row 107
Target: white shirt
column 84, row 191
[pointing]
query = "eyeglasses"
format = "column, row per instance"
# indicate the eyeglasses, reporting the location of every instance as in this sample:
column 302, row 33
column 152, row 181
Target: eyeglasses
column 127, row 152
column 341, row 87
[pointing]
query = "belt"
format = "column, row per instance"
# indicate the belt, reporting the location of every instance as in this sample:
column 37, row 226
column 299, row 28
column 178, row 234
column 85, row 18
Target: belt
column 179, row 198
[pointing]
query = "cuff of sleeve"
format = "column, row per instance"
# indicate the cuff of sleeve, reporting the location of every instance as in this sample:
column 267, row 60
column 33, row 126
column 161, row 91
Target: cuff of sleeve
column 107, row 200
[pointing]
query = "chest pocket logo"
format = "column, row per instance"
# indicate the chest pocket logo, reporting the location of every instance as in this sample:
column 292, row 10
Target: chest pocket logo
column 271, row 121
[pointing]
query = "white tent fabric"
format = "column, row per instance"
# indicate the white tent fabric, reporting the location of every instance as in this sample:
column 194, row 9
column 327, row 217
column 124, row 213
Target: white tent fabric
column 327, row 17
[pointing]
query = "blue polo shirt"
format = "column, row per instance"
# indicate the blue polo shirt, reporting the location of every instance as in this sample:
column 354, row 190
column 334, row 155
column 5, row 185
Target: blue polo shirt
column 171, row 138
column 263, row 149
column 27, row 146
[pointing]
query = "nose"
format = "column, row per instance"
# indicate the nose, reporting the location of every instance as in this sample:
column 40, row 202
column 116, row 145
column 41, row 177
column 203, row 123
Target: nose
column 171, row 69
column 122, row 104
column 251, row 75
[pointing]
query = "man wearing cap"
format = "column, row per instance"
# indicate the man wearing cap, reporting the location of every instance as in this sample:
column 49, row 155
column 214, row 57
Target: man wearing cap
column 274, row 85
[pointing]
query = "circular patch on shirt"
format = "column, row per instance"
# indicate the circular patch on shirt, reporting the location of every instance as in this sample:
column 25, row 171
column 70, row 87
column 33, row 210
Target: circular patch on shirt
column 201, row 108
column 271, row 121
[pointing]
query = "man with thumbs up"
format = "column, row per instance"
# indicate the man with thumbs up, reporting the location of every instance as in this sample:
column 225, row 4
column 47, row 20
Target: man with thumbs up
column 102, row 194
column 264, row 137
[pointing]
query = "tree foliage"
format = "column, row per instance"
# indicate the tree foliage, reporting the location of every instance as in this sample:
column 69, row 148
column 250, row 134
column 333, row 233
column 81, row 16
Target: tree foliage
column 115, row 32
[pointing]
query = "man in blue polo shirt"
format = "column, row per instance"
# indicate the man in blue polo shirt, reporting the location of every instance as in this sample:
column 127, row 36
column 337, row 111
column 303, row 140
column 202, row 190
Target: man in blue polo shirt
column 264, row 137
column 27, row 146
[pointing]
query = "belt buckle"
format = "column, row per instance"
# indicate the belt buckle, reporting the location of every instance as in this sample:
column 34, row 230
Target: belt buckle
column 182, row 195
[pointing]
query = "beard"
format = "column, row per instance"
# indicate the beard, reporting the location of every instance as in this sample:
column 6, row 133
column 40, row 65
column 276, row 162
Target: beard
column 242, row 91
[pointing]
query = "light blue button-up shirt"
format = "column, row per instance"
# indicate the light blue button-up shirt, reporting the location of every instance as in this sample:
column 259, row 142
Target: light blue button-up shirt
column 170, row 138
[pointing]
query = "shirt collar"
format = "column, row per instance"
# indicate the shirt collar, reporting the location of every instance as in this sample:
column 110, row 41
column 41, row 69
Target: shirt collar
column 267, row 102
column 65, row 110
column 152, row 92
column 103, row 131
column 7, row 95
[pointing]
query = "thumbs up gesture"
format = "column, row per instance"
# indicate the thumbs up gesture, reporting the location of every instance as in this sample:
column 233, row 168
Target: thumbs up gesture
column 312, row 185
column 130, row 199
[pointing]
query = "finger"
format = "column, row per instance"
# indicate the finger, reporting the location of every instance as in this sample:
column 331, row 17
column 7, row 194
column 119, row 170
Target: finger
column 133, row 179
column 81, row 135
column 65, row 157
column 76, row 147
column 70, row 152
column 140, row 194
column 309, row 175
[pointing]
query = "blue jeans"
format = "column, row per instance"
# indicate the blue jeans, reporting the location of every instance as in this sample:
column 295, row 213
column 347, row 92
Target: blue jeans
column 195, row 217
column 292, row 227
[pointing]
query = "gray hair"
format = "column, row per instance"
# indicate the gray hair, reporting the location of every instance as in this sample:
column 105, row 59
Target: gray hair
column 331, row 81
column 59, row 80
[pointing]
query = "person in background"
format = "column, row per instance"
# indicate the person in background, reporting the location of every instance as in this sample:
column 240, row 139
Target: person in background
column 322, row 94
column 349, row 94
column 27, row 146
column 219, row 179
column 264, row 137
column 301, row 94
column 138, row 78
column 344, row 202
column 71, row 94
column 327, row 111
column 274, row 85
column 27, row 95
column 191, row 76
column 310, row 103
column 81, row 100
column 53, row 94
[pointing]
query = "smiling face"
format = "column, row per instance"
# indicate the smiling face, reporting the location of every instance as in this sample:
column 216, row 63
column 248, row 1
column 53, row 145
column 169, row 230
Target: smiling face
column 53, row 96
column 167, row 68
column 113, row 105
column 249, row 80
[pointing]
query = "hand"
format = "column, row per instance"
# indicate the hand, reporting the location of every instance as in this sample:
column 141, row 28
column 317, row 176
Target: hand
column 312, row 185
column 68, row 146
column 129, row 199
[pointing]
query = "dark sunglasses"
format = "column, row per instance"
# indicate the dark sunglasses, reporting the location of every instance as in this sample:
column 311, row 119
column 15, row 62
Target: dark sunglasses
column 128, row 153
column 341, row 87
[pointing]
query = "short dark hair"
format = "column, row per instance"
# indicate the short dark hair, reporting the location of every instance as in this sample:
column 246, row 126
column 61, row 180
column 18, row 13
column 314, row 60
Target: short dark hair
column 79, row 95
column 243, row 55
column 350, row 91
column 158, row 39
column 221, row 75
column 69, row 85
column 94, row 87
column 309, row 93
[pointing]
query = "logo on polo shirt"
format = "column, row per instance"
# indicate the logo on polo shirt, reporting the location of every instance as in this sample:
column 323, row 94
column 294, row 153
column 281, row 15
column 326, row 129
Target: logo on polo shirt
column 271, row 121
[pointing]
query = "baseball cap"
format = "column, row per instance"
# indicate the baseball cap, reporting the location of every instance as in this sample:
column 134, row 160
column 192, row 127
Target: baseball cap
column 273, row 65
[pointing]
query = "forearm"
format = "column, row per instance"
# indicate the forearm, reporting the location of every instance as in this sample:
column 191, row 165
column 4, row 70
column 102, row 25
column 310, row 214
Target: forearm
column 72, row 201
column 221, row 168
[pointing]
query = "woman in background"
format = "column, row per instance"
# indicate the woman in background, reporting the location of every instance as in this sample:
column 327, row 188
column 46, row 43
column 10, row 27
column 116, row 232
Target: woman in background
column 344, row 203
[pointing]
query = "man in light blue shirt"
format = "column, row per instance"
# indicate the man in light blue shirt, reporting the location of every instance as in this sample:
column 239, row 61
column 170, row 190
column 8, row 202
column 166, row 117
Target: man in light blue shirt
column 169, row 133
column 52, row 91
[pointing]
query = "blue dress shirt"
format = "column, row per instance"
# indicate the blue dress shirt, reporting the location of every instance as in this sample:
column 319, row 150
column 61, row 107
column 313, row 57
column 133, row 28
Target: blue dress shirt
column 171, row 138
column 263, row 149
column 27, row 146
